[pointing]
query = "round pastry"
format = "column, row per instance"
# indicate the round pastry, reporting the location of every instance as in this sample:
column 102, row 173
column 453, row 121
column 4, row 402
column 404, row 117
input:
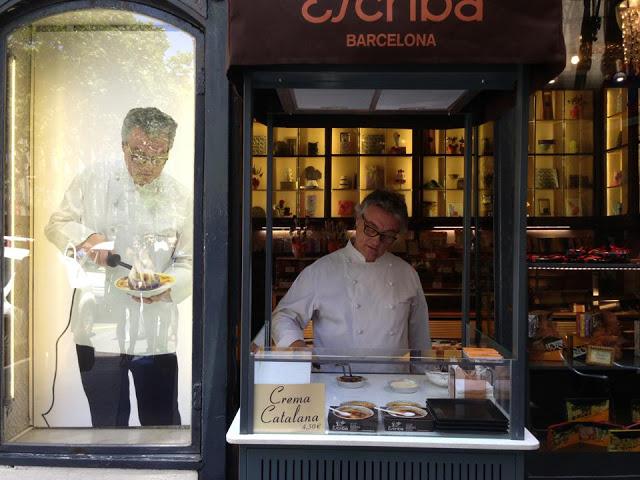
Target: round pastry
column 400, row 403
column 359, row 403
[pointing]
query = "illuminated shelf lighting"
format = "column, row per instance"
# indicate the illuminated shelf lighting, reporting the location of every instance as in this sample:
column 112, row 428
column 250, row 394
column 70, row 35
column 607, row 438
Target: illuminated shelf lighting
column 584, row 266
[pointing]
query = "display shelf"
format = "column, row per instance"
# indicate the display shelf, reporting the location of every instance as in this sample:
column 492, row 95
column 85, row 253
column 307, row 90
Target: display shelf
column 616, row 151
column 627, row 363
column 298, row 160
column 584, row 266
column 443, row 179
column 365, row 159
column 561, row 154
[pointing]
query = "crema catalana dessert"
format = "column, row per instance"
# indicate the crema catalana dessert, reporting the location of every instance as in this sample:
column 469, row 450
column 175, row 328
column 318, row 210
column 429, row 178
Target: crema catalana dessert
column 141, row 279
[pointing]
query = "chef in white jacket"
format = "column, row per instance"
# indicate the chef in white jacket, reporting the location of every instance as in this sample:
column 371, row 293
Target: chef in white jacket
column 361, row 298
column 133, row 209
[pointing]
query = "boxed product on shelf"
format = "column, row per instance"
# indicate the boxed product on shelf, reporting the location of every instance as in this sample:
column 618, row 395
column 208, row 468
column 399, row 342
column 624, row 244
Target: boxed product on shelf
column 587, row 409
column 393, row 419
column 624, row 440
column 352, row 419
column 570, row 435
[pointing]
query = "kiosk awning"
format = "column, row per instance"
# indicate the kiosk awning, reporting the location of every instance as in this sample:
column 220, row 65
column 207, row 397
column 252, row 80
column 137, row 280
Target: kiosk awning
column 396, row 32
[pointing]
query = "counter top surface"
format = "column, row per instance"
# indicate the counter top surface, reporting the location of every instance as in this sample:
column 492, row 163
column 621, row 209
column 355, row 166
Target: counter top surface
column 376, row 390
column 434, row 441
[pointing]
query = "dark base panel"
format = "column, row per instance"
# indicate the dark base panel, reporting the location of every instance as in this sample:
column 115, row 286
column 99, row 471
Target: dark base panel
column 332, row 463
column 582, row 465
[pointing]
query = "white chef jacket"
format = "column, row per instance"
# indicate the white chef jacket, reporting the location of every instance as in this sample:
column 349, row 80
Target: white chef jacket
column 355, row 305
column 156, row 218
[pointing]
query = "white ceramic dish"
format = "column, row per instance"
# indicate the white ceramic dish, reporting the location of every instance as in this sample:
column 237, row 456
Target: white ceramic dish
column 406, row 411
column 166, row 281
column 439, row 379
column 403, row 385
column 351, row 383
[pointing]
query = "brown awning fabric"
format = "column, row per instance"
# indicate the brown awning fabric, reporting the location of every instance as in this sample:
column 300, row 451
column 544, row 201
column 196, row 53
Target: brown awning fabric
column 393, row 32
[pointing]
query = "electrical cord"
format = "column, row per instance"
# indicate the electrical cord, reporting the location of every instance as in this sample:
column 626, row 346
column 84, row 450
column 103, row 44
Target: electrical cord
column 55, row 369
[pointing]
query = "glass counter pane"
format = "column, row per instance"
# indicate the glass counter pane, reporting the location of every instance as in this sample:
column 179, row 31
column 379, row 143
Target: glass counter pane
column 433, row 392
column 98, row 220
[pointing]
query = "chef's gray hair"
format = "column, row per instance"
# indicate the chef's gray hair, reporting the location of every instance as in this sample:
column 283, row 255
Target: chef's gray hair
column 390, row 202
column 153, row 122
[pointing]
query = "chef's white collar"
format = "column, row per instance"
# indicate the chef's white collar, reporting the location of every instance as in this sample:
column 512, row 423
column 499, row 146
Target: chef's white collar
column 352, row 253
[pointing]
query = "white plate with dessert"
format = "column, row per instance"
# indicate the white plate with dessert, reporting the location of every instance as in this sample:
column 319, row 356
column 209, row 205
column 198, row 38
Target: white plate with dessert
column 153, row 284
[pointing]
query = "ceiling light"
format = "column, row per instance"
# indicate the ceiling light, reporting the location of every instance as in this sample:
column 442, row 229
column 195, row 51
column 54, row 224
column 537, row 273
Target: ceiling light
column 552, row 81
column 620, row 75
column 575, row 60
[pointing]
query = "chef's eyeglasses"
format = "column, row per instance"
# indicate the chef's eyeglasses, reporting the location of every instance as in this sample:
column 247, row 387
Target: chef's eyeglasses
column 143, row 159
column 371, row 231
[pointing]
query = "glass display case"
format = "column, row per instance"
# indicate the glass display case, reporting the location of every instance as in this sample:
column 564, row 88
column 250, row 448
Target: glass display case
column 440, row 392
column 561, row 154
column 617, row 151
column 584, row 332
column 98, row 225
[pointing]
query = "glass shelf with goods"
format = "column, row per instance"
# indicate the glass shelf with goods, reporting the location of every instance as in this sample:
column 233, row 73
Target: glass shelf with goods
column 365, row 159
column 298, row 170
column 443, row 179
column 484, row 160
column 617, row 141
column 561, row 154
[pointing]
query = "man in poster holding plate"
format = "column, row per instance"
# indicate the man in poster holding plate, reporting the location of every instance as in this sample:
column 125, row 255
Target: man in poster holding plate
column 129, row 225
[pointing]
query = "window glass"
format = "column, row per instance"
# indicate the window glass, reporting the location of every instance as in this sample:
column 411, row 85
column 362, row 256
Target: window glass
column 98, row 214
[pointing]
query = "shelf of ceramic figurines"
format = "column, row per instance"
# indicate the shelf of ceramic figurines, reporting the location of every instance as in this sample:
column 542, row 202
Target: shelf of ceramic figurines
column 443, row 173
column 486, row 169
column 366, row 159
column 617, row 151
column 443, row 181
column 298, row 170
column 561, row 155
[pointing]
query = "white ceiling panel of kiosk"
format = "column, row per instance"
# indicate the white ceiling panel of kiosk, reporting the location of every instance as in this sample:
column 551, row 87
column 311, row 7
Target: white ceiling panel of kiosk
column 303, row 100
column 333, row 99
column 430, row 100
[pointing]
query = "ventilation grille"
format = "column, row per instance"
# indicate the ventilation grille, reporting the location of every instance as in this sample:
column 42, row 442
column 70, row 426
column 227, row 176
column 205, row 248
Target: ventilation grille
column 266, row 464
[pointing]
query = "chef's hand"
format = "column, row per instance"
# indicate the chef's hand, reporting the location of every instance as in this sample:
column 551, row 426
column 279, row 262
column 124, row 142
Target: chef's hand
column 99, row 257
column 161, row 297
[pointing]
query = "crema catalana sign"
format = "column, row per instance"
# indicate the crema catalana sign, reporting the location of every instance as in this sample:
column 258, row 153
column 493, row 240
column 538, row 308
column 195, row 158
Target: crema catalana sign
column 395, row 31
column 289, row 408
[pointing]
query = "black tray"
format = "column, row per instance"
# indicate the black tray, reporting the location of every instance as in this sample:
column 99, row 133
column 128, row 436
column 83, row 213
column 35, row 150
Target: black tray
column 473, row 424
column 466, row 411
column 472, row 429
